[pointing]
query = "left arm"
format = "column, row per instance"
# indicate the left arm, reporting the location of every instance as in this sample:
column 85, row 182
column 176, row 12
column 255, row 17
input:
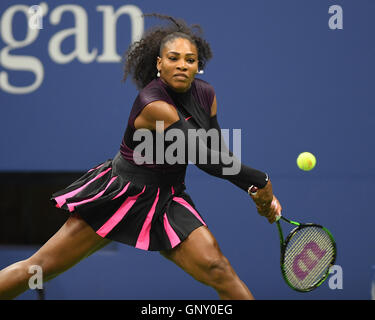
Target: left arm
column 266, row 203
column 246, row 173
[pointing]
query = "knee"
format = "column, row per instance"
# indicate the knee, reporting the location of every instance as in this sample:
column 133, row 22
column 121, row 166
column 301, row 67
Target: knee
column 19, row 268
column 219, row 272
column 18, row 271
column 42, row 265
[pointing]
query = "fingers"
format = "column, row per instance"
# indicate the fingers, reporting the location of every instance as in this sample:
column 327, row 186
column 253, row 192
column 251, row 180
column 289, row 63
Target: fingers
column 274, row 210
column 266, row 203
column 270, row 211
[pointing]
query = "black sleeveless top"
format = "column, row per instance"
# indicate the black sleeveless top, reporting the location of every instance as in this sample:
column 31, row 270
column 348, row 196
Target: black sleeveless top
column 194, row 109
column 193, row 105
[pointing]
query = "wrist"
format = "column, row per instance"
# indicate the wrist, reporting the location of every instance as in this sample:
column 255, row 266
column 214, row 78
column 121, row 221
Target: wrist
column 253, row 189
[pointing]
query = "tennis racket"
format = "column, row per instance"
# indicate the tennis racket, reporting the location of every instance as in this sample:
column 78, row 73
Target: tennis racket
column 307, row 254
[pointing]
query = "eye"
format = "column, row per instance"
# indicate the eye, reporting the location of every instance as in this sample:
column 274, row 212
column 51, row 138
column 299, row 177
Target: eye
column 172, row 58
column 191, row 60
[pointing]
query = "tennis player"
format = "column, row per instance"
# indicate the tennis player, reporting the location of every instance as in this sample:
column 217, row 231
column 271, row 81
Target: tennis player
column 145, row 205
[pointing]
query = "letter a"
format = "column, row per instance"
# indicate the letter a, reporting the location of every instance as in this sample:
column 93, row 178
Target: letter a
column 36, row 281
column 335, row 281
column 336, row 21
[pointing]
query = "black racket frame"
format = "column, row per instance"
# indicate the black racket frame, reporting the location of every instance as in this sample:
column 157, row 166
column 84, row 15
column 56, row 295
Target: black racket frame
column 284, row 243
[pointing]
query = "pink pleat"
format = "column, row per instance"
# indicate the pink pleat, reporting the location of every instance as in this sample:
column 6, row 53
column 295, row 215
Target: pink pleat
column 96, row 167
column 173, row 237
column 119, row 214
column 143, row 240
column 74, row 204
column 122, row 191
column 183, row 202
column 60, row 200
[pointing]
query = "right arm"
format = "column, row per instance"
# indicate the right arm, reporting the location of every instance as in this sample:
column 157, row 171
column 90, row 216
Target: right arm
column 225, row 166
column 162, row 111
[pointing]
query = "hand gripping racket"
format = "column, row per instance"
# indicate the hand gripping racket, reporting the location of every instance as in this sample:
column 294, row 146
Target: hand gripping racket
column 307, row 254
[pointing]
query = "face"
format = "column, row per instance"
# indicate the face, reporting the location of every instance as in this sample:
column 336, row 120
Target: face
column 178, row 64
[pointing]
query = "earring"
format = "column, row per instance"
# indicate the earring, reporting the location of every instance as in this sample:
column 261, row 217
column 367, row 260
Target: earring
column 158, row 74
column 201, row 72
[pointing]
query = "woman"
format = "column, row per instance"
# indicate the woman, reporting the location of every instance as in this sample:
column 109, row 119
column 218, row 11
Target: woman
column 145, row 205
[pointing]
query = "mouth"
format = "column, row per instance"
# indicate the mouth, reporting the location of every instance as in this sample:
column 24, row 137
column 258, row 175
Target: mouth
column 181, row 75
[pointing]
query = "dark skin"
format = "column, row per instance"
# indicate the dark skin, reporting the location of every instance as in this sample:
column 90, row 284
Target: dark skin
column 199, row 255
column 74, row 241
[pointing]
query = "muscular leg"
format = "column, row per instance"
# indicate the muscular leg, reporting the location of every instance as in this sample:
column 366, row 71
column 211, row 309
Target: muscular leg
column 74, row 241
column 200, row 256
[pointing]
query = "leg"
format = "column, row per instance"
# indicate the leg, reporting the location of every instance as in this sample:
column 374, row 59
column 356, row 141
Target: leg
column 74, row 241
column 200, row 256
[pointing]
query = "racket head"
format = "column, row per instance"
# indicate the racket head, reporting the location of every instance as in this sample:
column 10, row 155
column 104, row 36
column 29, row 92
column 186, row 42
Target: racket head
column 307, row 254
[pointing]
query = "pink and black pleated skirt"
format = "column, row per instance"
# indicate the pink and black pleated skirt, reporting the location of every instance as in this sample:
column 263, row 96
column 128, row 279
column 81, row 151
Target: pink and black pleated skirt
column 134, row 205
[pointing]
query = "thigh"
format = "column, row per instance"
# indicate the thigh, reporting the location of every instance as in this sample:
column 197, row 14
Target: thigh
column 196, row 253
column 74, row 241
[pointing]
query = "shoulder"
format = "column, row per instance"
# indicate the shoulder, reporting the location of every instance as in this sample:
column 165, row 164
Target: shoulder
column 159, row 110
column 158, row 105
column 204, row 87
column 152, row 92
column 153, row 96
column 205, row 93
column 203, row 84
column 156, row 111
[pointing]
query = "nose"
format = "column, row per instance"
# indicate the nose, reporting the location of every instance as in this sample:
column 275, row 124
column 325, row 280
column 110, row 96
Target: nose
column 182, row 66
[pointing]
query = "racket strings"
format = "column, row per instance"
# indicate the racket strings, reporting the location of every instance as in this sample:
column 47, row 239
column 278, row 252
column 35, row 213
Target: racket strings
column 302, row 274
column 308, row 255
column 318, row 266
column 303, row 266
column 307, row 265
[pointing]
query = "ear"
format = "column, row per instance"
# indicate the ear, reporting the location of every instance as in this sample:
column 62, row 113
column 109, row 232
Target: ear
column 197, row 67
column 158, row 63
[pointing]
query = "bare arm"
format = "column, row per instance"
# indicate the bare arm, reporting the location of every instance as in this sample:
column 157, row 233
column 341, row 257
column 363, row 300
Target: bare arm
column 162, row 111
column 156, row 111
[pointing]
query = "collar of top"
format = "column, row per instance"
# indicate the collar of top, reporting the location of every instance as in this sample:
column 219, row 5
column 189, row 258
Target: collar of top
column 173, row 92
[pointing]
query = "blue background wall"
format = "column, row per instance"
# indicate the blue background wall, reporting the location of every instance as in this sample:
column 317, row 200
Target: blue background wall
column 281, row 75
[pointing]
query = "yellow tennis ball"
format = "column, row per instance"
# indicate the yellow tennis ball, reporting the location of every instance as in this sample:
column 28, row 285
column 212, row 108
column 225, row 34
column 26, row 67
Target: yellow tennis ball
column 306, row 161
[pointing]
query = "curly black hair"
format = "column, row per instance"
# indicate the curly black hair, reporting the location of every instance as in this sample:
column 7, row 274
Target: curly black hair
column 140, row 58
